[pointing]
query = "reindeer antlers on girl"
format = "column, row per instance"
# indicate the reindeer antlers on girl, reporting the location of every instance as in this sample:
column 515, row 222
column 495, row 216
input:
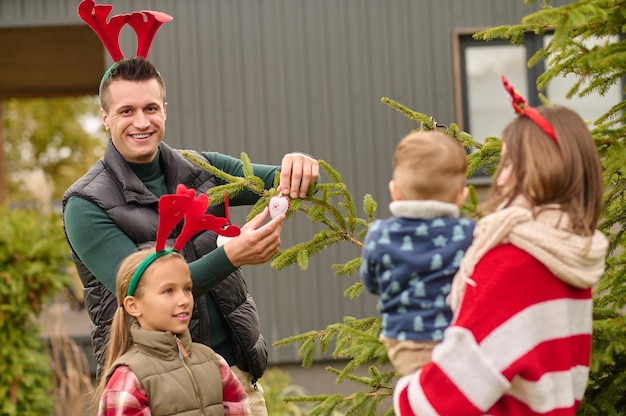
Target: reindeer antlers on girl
column 174, row 207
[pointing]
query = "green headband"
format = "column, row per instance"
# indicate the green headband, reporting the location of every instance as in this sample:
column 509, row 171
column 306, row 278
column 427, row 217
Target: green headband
column 143, row 266
column 105, row 76
column 172, row 209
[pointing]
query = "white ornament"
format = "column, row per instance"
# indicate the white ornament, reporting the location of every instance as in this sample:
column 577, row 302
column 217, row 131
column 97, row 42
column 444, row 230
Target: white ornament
column 278, row 205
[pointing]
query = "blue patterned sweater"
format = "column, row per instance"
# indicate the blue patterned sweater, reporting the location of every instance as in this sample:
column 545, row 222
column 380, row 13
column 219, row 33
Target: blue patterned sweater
column 409, row 260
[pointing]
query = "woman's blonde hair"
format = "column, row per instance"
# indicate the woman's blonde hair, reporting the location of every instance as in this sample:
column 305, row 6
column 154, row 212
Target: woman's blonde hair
column 568, row 173
column 120, row 339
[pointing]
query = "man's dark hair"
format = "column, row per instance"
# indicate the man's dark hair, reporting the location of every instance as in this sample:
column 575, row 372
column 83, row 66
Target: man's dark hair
column 129, row 69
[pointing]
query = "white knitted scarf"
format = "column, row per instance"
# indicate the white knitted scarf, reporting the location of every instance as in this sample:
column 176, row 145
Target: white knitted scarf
column 575, row 259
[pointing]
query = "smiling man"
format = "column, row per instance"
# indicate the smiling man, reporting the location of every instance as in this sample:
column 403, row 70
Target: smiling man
column 111, row 212
column 135, row 113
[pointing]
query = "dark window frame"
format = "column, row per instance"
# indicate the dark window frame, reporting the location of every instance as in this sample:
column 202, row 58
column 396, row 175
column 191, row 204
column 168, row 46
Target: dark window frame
column 462, row 39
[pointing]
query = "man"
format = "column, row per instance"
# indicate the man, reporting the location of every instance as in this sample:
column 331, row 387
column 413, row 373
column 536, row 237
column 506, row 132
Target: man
column 111, row 212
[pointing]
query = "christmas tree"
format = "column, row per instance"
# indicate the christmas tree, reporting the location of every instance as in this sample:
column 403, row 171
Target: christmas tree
column 344, row 220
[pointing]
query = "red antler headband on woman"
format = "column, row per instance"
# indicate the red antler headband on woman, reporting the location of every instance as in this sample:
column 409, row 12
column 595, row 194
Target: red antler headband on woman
column 521, row 107
column 174, row 207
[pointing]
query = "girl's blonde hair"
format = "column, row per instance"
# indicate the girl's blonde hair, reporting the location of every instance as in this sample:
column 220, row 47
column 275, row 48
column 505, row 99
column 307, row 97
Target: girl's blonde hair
column 568, row 173
column 120, row 339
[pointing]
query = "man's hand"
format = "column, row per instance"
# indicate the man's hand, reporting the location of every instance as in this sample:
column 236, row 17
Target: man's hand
column 257, row 243
column 297, row 172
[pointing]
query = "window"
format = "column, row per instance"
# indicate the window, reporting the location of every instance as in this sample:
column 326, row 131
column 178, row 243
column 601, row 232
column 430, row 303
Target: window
column 482, row 105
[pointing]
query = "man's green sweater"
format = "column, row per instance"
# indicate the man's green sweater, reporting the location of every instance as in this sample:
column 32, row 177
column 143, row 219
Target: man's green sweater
column 91, row 232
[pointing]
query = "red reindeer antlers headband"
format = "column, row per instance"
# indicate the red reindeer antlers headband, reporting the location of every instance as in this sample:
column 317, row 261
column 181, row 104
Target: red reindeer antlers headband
column 145, row 23
column 521, row 107
column 174, row 207
column 183, row 204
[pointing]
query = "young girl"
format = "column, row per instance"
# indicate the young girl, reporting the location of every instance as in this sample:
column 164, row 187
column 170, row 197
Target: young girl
column 521, row 339
column 152, row 366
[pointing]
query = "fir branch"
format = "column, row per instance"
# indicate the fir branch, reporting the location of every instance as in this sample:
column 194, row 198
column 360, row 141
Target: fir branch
column 355, row 290
column 486, row 159
column 303, row 259
column 515, row 34
column 345, row 226
column 303, row 251
column 323, row 206
column 379, row 386
column 465, row 138
column 376, row 380
column 470, row 205
column 319, row 210
column 356, row 403
column 247, row 166
column 251, row 182
column 207, row 166
column 348, row 268
column 370, row 207
column 426, row 122
column 332, row 173
column 296, row 338
column 216, row 194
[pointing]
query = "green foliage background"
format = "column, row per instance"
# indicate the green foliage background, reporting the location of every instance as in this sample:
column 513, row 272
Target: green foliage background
column 34, row 259
column 50, row 134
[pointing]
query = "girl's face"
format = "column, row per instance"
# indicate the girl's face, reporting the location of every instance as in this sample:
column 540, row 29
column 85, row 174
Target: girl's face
column 166, row 300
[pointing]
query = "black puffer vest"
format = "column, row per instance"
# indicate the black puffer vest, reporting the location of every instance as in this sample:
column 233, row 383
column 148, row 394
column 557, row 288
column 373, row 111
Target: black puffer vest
column 112, row 185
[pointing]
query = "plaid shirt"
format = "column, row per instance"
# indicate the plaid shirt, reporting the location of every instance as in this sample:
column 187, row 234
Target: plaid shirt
column 125, row 396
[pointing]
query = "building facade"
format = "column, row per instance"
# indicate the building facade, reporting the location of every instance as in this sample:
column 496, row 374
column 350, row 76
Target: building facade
column 267, row 77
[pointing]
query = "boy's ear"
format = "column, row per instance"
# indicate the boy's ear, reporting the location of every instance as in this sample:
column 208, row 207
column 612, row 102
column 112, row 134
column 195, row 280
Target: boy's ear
column 131, row 306
column 462, row 195
column 393, row 191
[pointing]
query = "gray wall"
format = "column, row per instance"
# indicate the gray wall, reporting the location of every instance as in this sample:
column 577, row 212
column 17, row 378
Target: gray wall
column 271, row 76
